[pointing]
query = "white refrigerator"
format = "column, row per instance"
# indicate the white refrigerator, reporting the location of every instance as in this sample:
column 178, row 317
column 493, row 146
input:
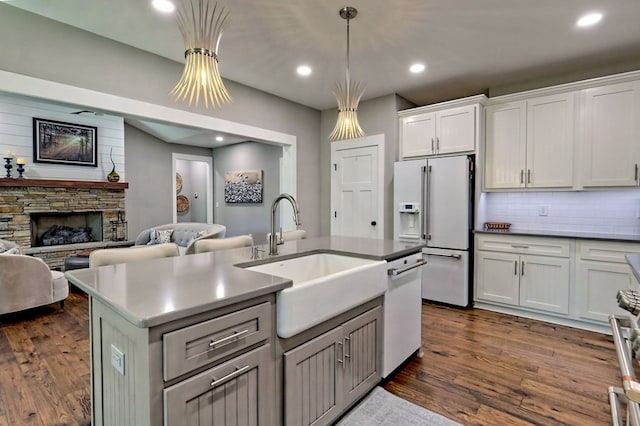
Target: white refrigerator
column 433, row 203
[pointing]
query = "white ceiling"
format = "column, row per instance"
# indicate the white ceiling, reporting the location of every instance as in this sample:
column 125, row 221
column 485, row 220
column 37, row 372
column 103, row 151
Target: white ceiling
column 467, row 45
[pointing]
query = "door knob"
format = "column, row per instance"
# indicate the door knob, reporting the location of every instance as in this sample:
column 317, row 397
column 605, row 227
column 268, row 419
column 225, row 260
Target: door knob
column 373, row 223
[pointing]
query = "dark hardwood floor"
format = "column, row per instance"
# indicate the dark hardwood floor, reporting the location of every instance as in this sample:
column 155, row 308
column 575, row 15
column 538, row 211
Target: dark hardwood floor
column 478, row 368
column 486, row 368
column 44, row 365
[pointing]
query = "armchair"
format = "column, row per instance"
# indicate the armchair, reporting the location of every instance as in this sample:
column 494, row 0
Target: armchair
column 27, row 282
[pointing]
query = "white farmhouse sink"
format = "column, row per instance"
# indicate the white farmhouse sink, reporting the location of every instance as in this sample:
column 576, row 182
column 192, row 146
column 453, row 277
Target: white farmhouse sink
column 324, row 285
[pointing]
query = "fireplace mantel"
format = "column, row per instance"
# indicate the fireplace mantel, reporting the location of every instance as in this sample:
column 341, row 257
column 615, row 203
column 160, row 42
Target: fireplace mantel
column 54, row 183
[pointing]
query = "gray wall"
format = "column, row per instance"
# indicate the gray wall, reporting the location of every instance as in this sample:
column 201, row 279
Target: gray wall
column 149, row 199
column 376, row 116
column 247, row 218
column 53, row 51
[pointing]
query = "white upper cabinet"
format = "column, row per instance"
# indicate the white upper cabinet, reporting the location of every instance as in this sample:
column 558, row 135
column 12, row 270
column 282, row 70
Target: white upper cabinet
column 448, row 128
column 611, row 128
column 456, row 130
column 530, row 143
column 505, row 149
column 418, row 135
column 550, row 141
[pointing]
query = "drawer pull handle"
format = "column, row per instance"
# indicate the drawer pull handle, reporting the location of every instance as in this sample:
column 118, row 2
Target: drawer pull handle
column 232, row 375
column 225, row 340
column 519, row 246
column 397, row 271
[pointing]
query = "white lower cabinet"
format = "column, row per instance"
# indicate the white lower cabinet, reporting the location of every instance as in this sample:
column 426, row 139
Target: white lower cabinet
column 325, row 375
column 506, row 275
column 602, row 270
column 573, row 279
column 536, row 282
column 496, row 277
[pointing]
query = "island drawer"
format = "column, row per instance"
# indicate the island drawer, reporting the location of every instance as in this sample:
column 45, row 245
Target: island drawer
column 201, row 344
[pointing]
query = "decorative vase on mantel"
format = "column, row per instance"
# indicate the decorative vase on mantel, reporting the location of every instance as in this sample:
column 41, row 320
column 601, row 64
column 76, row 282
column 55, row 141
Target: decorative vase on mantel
column 113, row 176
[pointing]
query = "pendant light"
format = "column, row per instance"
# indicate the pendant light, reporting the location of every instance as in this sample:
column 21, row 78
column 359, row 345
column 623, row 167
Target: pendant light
column 201, row 25
column 348, row 95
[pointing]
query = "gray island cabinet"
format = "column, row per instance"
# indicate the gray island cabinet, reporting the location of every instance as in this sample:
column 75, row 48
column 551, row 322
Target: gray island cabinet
column 191, row 340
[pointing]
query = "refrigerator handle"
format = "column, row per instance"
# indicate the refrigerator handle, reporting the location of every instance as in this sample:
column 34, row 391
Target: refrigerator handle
column 427, row 197
column 423, row 188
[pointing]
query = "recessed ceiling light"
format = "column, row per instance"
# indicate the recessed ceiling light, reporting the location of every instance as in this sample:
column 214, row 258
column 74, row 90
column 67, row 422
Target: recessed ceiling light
column 304, row 70
column 219, row 138
column 589, row 19
column 416, row 68
column 164, row 6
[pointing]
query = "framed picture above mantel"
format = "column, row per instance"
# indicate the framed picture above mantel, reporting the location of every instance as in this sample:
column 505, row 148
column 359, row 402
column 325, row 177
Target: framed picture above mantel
column 64, row 143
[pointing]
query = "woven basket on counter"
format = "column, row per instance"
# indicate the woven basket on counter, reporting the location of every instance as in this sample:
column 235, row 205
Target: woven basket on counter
column 497, row 226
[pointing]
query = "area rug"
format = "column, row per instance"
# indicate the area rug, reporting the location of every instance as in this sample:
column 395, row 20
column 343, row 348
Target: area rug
column 385, row 409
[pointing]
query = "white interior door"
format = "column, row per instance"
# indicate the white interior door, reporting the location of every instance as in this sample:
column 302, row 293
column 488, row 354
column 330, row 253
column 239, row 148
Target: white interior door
column 356, row 188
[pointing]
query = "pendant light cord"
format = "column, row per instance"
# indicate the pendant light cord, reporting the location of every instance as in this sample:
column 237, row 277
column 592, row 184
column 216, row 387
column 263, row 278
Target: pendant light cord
column 348, row 74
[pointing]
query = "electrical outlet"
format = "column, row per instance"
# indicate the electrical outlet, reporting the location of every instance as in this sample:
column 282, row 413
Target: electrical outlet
column 117, row 359
column 543, row 210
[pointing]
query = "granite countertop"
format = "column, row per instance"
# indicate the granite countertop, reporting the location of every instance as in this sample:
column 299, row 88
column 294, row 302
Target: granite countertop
column 568, row 234
column 154, row 292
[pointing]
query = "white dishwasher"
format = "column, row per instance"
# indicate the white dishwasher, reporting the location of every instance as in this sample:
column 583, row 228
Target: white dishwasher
column 402, row 311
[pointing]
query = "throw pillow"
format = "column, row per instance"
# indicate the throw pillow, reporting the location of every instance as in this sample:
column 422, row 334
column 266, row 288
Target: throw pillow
column 160, row 236
column 197, row 235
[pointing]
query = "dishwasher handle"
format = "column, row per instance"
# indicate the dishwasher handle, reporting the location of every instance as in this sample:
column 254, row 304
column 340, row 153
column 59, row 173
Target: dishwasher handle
column 455, row 256
column 394, row 272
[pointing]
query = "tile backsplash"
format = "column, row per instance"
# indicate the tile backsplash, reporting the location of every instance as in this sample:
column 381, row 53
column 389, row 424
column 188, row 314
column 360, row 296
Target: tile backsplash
column 615, row 212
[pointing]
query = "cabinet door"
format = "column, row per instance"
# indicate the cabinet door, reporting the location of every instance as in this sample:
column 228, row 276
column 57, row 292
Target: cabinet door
column 456, row 130
column 362, row 354
column 550, row 141
column 312, row 388
column 611, row 133
column 505, row 146
column 418, row 135
column 497, row 277
column 596, row 286
column 544, row 283
column 238, row 392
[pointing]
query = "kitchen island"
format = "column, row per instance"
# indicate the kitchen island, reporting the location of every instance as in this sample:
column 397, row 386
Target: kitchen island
column 179, row 336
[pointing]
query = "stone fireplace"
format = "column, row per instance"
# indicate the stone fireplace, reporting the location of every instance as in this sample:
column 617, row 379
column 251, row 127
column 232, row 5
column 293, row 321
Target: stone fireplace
column 31, row 207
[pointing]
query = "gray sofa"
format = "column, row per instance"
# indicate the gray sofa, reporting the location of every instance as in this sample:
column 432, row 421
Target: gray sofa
column 184, row 234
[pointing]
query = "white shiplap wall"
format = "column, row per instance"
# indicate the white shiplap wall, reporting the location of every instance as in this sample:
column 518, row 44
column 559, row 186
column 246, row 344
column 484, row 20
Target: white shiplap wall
column 615, row 212
column 16, row 135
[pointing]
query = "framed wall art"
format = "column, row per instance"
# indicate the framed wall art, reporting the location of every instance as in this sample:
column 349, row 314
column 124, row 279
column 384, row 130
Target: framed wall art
column 243, row 186
column 64, row 143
